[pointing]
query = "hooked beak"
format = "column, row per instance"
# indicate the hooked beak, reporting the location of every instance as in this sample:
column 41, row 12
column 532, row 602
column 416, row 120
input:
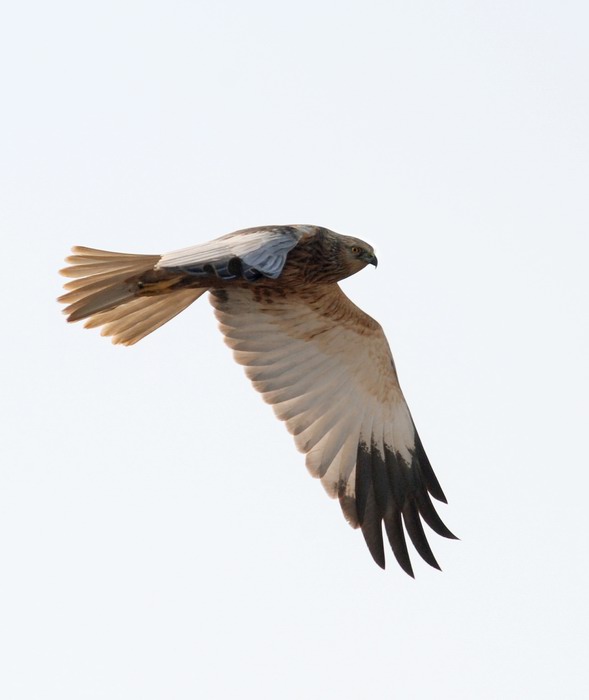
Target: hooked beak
column 370, row 259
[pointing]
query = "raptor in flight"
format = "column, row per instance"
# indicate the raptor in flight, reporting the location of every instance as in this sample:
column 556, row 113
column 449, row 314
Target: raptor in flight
column 323, row 364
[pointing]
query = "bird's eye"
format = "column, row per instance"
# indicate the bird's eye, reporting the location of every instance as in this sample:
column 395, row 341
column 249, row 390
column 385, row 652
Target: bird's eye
column 356, row 250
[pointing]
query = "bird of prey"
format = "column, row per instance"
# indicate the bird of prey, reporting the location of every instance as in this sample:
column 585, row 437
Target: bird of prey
column 323, row 364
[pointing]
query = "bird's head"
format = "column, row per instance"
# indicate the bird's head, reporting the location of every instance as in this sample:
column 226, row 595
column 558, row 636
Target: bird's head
column 357, row 254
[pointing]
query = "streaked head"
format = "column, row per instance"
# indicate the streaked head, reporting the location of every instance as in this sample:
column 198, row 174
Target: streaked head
column 358, row 254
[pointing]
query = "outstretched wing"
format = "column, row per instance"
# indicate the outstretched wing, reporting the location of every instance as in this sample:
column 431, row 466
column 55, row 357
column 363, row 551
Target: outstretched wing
column 248, row 254
column 327, row 369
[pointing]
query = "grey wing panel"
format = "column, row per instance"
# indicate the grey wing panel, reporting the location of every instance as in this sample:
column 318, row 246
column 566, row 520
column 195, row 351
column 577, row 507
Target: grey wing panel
column 247, row 254
column 269, row 260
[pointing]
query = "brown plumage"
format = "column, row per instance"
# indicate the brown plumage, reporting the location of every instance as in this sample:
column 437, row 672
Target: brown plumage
column 323, row 364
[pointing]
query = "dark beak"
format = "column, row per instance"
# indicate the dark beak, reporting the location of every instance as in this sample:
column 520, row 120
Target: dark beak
column 368, row 258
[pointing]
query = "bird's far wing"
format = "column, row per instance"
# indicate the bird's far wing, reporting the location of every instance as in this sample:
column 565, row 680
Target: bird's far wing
column 250, row 254
column 326, row 368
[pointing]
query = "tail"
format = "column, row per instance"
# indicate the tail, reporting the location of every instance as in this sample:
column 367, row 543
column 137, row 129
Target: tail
column 107, row 291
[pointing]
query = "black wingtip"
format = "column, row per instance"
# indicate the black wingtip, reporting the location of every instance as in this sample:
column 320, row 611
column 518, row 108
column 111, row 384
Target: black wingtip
column 430, row 479
column 369, row 516
column 372, row 531
column 417, row 535
column 396, row 536
column 431, row 517
column 391, row 492
column 407, row 568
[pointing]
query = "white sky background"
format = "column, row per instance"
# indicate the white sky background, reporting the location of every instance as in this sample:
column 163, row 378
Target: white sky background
column 159, row 534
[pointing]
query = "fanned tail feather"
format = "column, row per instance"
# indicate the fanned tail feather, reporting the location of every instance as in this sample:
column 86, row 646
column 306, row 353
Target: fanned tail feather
column 105, row 290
